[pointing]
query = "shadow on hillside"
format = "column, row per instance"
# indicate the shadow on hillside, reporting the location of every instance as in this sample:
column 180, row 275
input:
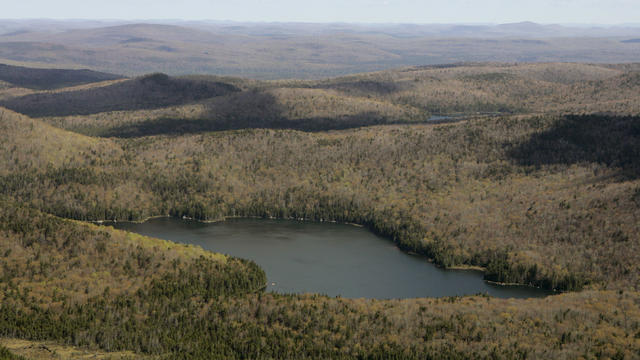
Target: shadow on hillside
column 251, row 109
column 147, row 92
column 48, row 79
column 610, row 140
column 366, row 87
column 246, row 110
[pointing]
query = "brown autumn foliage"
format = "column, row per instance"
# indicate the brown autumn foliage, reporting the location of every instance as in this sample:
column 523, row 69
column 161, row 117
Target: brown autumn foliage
column 40, row 79
column 542, row 197
column 95, row 287
column 410, row 95
column 463, row 194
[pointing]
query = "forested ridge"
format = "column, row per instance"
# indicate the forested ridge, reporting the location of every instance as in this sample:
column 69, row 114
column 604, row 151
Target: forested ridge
column 473, row 193
column 154, row 90
column 162, row 299
column 48, row 79
column 157, row 104
column 546, row 198
column 302, row 51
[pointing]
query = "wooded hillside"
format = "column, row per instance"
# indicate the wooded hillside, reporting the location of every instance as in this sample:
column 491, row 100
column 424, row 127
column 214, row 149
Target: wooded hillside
column 48, row 79
column 509, row 194
column 545, row 193
column 151, row 91
column 157, row 104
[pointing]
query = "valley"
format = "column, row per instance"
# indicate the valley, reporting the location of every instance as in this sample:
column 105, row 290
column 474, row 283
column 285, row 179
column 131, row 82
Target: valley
column 535, row 181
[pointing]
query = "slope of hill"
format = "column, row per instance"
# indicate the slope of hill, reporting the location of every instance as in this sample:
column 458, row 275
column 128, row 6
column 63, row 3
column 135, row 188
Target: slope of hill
column 47, row 79
column 276, row 51
column 458, row 193
column 380, row 177
column 126, row 34
column 31, row 143
column 279, row 108
column 541, row 197
column 151, row 91
column 410, row 95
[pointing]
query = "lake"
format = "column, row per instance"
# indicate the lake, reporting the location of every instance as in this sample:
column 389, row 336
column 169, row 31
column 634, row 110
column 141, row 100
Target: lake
column 327, row 258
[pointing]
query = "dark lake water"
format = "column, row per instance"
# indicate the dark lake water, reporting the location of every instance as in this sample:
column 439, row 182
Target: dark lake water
column 327, row 258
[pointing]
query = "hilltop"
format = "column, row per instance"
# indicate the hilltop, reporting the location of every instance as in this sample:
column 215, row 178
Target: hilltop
column 535, row 179
column 159, row 104
column 302, row 51
column 48, row 79
column 155, row 90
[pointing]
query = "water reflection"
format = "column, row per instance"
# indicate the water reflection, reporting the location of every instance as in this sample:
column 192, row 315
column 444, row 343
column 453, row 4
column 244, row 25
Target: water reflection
column 327, row 258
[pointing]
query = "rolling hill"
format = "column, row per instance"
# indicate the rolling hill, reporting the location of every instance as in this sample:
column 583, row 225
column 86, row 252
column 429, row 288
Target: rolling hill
column 544, row 193
column 310, row 51
column 48, row 79
column 151, row 91
column 194, row 104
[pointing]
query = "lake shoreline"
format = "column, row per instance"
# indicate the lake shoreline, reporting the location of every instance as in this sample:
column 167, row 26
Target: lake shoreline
column 213, row 221
column 461, row 268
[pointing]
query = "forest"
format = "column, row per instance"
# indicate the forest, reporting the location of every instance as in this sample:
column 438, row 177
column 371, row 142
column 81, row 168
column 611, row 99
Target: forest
column 50, row 79
column 158, row 104
column 534, row 179
column 272, row 51
column 156, row 298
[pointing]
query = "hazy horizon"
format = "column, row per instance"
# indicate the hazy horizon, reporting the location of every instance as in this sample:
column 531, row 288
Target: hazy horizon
column 363, row 23
column 570, row 12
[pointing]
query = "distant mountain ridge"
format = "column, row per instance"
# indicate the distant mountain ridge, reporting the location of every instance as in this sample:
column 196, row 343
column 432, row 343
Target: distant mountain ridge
column 154, row 90
column 528, row 28
column 300, row 50
column 160, row 104
column 47, row 79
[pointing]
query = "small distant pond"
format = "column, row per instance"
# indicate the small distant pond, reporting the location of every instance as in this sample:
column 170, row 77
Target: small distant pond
column 440, row 118
column 327, row 258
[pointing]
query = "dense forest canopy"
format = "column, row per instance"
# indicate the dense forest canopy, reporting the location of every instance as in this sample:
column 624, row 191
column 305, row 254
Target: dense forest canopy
column 534, row 178
column 155, row 90
column 48, row 79
column 157, row 104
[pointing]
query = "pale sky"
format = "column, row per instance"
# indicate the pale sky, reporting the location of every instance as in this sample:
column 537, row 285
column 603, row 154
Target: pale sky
column 371, row 11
